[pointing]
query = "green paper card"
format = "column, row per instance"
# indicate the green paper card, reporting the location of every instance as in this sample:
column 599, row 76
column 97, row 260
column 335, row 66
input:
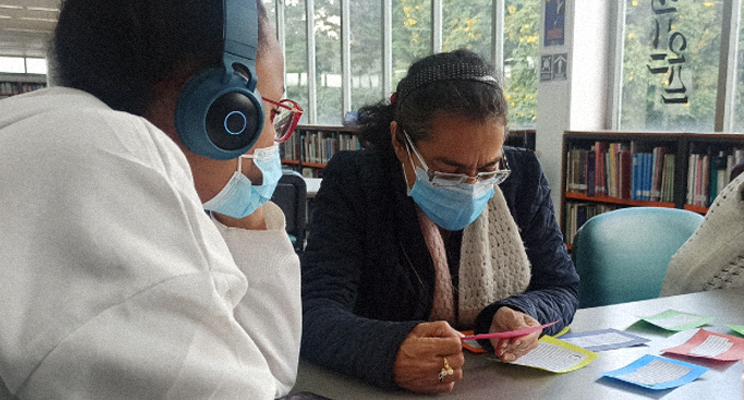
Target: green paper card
column 737, row 328
column 677, row 321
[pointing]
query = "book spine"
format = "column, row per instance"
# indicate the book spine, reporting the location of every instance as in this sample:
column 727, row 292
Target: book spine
column 591, row 164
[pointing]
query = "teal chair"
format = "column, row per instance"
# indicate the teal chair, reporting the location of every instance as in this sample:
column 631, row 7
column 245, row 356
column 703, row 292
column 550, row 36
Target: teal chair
column 622, row 255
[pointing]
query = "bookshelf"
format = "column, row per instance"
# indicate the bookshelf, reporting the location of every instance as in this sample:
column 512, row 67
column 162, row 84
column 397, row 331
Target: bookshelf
column 15, row 84
column 311, row 146
column 603, row 171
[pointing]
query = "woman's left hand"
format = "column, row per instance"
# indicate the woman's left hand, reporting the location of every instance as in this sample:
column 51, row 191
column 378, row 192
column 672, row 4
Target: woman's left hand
column 510, row 349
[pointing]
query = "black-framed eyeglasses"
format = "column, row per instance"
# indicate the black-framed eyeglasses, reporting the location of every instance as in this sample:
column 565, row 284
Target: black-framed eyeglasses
column 438, row 178
column 284, row 117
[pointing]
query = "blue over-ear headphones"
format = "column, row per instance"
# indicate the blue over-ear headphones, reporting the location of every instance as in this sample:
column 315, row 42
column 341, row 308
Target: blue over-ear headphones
column 219, row 113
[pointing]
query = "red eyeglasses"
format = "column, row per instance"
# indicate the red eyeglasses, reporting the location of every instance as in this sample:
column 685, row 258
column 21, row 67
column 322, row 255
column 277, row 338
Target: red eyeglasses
column 284, row 117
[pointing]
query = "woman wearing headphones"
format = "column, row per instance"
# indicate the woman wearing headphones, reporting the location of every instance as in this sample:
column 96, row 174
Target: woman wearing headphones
column 436, row 227
column 116, row 282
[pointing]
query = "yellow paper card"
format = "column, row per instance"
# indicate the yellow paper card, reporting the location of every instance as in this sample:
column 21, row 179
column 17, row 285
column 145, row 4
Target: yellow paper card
column 557, row 356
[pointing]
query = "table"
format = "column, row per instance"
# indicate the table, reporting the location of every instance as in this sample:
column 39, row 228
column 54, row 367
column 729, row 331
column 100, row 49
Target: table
column 485, row 379
column 312, row 184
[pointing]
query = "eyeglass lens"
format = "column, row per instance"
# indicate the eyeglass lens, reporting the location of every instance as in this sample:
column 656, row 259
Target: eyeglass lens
column 285, row 120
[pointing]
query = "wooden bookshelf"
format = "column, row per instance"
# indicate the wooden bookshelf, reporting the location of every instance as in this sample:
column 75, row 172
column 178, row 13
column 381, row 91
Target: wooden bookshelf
column 683, row 190
column 615, row 200
column 311, row 146
column 15, row 84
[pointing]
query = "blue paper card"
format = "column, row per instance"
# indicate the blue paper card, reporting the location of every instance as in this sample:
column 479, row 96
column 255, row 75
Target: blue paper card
column 605, row 339
column 657, row 373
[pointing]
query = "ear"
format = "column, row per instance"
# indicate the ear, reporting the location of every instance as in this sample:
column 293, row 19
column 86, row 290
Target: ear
column 398, row 145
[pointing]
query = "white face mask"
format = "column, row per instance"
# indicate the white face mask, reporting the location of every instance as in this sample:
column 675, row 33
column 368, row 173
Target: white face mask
column 240, row 197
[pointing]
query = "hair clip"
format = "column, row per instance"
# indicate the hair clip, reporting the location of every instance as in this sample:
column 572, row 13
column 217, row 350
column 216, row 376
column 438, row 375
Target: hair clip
column 394, row 99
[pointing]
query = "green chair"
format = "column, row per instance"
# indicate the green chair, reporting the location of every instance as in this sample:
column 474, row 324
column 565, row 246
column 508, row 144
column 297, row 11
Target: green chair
column 622, row 255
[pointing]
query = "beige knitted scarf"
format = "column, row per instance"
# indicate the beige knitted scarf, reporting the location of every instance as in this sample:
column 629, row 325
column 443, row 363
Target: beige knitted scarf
column 493, row 264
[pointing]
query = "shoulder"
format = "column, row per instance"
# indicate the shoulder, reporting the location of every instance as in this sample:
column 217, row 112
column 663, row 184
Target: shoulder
column 522, row 161
column 74, row 129
column 525, row 170
column 365, row 169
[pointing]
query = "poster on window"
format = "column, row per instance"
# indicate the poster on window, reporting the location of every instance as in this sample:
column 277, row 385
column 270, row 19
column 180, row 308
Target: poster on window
column 555, row 22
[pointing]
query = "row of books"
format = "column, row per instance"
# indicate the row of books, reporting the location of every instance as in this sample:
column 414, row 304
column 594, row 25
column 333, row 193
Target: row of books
column 317, row 147
column 708, row 174
column 13, row 88
column 578, row 213
column 618, row 170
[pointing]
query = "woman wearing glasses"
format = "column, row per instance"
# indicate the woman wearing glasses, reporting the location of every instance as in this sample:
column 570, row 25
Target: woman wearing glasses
column 436, row 227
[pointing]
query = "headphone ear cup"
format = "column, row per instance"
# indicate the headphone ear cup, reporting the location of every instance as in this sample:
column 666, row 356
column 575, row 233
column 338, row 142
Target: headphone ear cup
column 218, row 120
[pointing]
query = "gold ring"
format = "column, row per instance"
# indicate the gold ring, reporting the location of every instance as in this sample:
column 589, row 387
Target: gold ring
column 446, row 370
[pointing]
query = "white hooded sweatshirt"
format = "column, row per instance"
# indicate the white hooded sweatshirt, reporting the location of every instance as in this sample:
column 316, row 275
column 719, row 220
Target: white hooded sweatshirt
column 115, row 283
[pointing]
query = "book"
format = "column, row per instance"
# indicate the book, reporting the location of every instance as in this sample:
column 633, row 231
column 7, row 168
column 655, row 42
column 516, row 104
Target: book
column 600, row 150
column 635, row 191
column 717, row 171
column 591, row 165
column 691, row 168
column 647, row 172
column 624, row 174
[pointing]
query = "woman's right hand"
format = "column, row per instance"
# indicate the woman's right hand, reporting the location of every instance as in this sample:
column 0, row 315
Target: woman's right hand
column 421, row 357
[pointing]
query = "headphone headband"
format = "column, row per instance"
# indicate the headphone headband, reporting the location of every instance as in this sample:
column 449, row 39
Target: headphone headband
column 220, row 113
column 240, row 36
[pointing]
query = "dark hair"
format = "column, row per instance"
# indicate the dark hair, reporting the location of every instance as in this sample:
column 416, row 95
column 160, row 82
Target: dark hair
column 415, row 104
column 118, row 50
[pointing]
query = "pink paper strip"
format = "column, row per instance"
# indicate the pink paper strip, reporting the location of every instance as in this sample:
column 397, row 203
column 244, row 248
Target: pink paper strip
column 509, row 334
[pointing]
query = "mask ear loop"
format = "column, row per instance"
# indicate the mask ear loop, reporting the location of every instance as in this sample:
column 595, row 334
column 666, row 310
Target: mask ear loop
column 410, row 159
column 240, row 163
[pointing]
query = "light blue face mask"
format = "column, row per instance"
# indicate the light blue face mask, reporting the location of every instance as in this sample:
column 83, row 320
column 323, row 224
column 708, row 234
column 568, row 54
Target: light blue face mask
column 240, row 197
column 451, row 207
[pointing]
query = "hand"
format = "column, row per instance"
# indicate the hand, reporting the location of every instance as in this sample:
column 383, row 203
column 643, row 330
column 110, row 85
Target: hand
column 421, row 356
column 510, row 349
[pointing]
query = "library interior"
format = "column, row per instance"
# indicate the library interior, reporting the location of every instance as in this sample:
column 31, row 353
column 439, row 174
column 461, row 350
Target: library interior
column 632, row 110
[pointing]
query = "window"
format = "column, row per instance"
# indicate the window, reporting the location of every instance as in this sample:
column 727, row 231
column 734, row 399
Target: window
column 467, row 25
column 12, row 65
column 738, row 124
column 36, row 66
column 366, row 53
column 521, row 52
column 412, row 32
column 670, row 65
column 328, row 61
column 295, row 54
column 325, row 84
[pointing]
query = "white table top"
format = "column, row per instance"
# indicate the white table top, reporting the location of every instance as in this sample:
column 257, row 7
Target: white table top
column 313, row 184
column 485, row 379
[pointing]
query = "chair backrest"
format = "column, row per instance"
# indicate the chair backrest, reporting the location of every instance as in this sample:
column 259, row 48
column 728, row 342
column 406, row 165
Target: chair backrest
column 622, row 255
column 291, row 196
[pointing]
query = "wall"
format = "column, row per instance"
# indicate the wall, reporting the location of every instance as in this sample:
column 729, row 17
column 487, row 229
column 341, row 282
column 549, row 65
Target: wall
column 579, row 101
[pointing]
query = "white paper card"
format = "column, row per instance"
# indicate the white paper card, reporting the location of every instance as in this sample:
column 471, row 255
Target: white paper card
column 713, row 346
column 551, row 357
column 657, row 372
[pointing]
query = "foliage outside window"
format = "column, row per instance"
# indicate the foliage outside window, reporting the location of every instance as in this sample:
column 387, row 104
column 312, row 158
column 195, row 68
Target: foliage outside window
column 670, row 65
column 295, row 53
column 521, row 55
column 738, row 125
column 366, row 53
column 412, row 34
column 466, row 24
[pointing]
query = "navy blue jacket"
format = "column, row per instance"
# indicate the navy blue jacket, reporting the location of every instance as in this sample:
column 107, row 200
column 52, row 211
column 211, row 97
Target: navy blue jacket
column 368, row 277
